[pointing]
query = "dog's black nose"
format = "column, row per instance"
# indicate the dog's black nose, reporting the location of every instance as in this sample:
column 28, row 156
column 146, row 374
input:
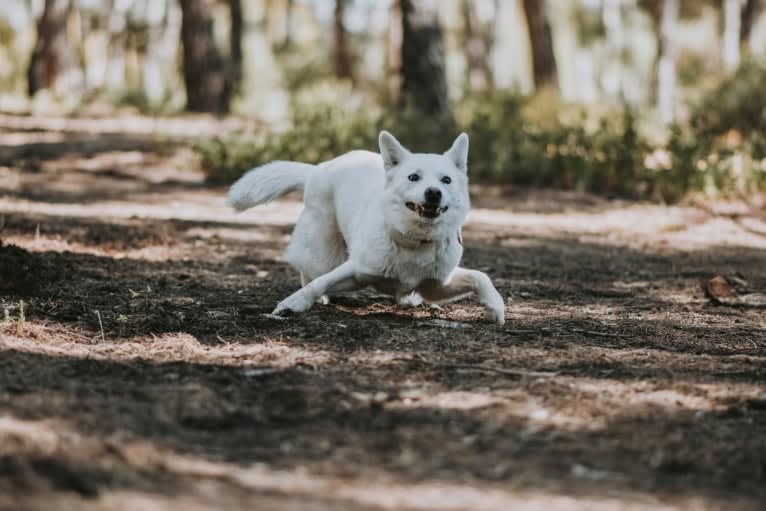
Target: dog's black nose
column 433, row 195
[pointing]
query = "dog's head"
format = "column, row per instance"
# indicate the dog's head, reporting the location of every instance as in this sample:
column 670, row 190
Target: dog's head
column 427, row 194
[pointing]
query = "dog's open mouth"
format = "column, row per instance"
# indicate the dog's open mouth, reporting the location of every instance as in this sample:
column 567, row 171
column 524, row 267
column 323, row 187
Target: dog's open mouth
column 426, row 210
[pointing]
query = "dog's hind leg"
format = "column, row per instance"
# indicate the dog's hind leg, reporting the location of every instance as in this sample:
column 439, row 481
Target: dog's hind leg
column 316, row 247
column 323, row 300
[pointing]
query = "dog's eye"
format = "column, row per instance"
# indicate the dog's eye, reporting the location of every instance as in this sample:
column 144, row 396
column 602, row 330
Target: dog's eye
column 413, row 177
column 446, row 180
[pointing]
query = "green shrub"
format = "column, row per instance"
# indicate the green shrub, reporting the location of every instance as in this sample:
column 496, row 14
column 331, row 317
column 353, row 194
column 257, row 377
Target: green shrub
column 737, row 104
column 609, row 156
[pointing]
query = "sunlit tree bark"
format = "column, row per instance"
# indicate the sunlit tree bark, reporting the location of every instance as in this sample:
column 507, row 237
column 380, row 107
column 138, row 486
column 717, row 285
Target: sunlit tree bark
column 117, row 26
column 279, row 19
column 477, row 45
column 666, row 64
column 574, row 67
column 612, row 78
column 511, row 53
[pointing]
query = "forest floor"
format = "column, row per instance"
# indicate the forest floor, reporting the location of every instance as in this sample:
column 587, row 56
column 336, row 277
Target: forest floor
column 139, row 368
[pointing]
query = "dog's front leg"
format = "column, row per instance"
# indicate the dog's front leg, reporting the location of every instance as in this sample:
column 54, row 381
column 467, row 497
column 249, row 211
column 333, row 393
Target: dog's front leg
column 461, row 283
column 340, row 279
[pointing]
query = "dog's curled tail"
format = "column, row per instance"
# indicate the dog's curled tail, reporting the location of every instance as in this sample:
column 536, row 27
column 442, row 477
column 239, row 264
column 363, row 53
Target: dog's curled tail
column 266, row 183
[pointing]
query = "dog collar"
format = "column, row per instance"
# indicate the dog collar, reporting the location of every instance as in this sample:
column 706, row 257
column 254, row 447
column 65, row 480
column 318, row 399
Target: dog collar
column 407, row 242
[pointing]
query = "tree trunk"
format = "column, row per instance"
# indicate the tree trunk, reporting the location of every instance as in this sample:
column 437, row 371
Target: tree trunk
column 117, row 24
column 666, row 65
column 750, row 12
column 52, row 57
column 393, row 52
column 612, row 74
column 732, row 18
column 235, row 45
column 156, row 16
column 203, row 67
column 477, row 44
column 342, row 54
column 423, row 74
column 543, row 60
column 279, row 20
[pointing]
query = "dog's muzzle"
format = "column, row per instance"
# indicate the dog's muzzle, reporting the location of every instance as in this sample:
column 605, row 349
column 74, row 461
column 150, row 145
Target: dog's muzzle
column 427, row 210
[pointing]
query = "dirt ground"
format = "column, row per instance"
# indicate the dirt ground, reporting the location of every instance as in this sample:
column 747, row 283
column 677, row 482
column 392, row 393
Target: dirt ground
column 139, row 368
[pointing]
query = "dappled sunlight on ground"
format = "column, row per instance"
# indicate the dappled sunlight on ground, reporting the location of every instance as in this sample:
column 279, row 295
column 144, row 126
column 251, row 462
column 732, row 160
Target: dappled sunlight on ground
column 140, row 367
column 165, row 348
column 652, row 227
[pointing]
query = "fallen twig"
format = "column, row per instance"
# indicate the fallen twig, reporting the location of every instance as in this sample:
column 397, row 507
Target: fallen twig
column 502, row 370
column 598, row 334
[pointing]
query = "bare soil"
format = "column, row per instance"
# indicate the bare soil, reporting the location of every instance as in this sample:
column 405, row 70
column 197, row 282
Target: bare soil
column 139, row 368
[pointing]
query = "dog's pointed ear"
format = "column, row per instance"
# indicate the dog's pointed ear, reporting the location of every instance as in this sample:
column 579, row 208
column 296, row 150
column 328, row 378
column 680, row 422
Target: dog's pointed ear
column 391, row 150
column 458, row 153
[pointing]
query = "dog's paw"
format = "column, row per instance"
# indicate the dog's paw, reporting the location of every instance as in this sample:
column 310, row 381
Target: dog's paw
column 494, row 308
column 495, row 314
column 410, row 300
column 296, row 302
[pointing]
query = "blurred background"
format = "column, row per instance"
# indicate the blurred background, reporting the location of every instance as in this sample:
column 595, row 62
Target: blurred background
column 638, row 98
column 618, row 192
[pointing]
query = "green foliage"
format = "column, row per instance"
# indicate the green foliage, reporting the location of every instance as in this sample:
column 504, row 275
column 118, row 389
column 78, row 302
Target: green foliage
column 724, row 150
column 317, row 133
column 738, row 103
column 609, row 156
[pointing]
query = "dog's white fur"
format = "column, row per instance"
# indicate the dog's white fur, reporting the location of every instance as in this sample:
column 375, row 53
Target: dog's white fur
column 362, row 226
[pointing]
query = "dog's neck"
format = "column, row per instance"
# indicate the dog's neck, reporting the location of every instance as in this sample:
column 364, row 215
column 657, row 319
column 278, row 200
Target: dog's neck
column 414, row 242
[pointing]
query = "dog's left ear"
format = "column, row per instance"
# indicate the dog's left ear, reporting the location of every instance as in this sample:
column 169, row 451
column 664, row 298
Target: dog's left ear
column 458, row 153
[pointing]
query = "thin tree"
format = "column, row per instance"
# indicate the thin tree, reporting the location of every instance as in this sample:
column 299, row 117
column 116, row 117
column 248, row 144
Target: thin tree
column 53, row 56
column 750, row 13
column 278, row 15
column 665, row 15
column 341, row 52
column 393, row 54
column 235, row 45
column 541, row 41
column 612, row 78
column 477, row 43
column 666, row 64
column 732, row 33
column 204, row 70
column 423, row 74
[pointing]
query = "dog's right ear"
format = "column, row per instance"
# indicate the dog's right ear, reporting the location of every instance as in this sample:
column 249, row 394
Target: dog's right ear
column 391, row 150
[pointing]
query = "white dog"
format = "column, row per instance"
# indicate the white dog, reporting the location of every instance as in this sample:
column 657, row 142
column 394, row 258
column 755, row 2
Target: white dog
column 390, row 220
